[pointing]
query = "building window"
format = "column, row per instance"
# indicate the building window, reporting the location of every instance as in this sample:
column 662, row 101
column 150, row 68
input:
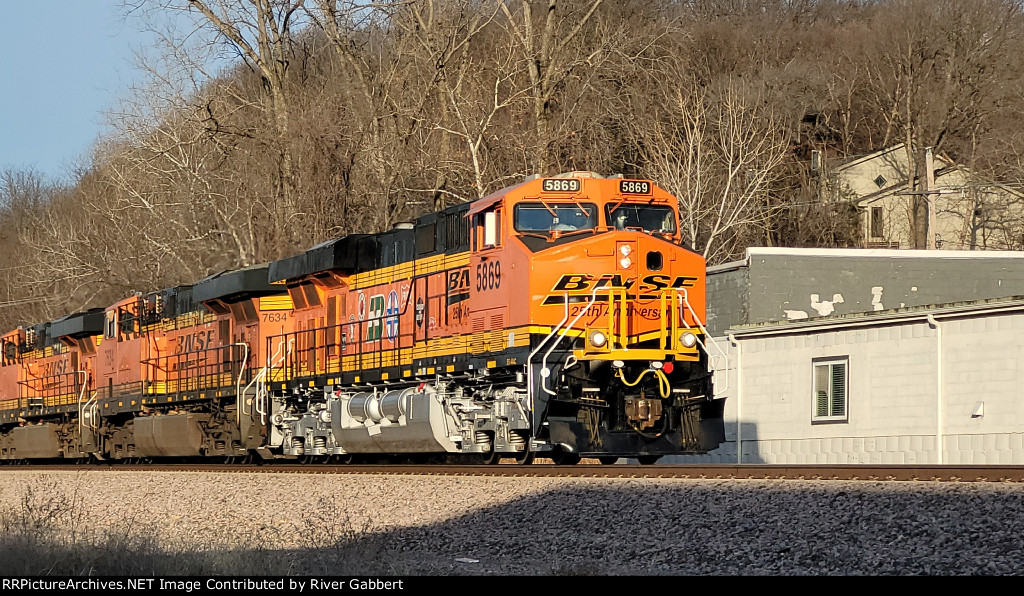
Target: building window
column 876, row 223
column 831, row 397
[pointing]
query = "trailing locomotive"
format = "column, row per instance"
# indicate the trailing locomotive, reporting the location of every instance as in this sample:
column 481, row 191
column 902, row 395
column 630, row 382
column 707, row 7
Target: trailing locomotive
column 558, row 317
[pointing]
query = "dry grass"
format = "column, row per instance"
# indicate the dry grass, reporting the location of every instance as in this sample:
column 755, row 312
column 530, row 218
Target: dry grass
column 49, row 532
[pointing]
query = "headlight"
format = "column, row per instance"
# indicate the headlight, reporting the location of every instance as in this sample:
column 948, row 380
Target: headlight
column 625, row 263
column 688, row 339
column 625, row 249
column 598, row 339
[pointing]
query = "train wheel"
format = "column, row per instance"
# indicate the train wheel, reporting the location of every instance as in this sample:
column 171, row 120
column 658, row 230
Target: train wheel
column 608, row 460
column 648, row 460
column 565, row 458
column 492, row 457
column 525, row 457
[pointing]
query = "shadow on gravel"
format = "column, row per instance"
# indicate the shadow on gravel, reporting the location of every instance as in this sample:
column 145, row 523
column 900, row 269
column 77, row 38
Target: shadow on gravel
column 634, row 527
column 731, row 527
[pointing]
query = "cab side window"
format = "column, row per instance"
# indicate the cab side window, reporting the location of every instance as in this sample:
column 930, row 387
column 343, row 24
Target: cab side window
column 110, row 329
column 488, row 229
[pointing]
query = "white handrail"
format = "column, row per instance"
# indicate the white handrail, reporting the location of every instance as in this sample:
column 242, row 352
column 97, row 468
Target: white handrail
column 704, row 331
column 540, row 346
column 544, row 362
column 238, row 384
column 81, row 396
column 261, row 396
column 263, row 371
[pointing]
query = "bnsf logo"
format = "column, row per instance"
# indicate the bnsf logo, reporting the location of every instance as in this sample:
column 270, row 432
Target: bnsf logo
column 458, row 280
column 194, row 342
column 579, row 282
column 52, row 369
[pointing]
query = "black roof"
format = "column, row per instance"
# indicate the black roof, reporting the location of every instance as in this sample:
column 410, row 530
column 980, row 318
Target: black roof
column 351, row 254
column 356, row 253
column 77, row 325
column 235, row 285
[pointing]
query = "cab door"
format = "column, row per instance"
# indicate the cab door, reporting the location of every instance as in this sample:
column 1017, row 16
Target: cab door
column 488, row 311
column 106, row 365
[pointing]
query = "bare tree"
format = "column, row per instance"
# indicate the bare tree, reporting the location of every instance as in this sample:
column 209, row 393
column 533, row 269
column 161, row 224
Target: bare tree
column 936, row 76
column 24, row 196
column 720, row 155
column 473, row 79
column 551, row 46
column 388, row 98
column 261, row 32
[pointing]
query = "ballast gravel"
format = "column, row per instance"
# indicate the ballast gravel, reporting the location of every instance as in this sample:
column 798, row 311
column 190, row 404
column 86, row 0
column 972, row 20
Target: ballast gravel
column 441, row 525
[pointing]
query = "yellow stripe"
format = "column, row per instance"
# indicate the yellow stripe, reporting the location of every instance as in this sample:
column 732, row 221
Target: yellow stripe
column 405, row 271
column 276, row 302
column 485, row 341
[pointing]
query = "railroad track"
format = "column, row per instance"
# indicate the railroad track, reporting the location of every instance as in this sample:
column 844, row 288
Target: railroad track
column 946, row 473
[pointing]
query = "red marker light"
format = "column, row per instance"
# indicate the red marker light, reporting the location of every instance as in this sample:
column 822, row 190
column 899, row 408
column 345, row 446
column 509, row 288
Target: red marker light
column 668, row 367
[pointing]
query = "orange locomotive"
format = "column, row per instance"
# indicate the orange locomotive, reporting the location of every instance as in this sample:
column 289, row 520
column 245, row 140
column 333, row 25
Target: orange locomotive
column 153, row 375
column 559, row 316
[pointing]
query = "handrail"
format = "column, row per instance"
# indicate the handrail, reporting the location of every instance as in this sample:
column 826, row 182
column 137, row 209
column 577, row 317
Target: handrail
column 81, row 409
column 213, row 367
column 238, row 384
column 259, row 374
column 544, row 362
column 704, row 331
column 529, row 359
column 313, row 341
column 270, row 366
column 49, row 390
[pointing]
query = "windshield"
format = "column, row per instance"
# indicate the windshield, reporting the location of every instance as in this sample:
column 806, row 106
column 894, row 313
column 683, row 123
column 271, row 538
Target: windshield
column 544, row 217
column 650, row 218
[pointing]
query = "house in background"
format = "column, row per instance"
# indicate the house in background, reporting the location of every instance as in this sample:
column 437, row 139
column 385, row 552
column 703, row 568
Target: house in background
column 970, row 213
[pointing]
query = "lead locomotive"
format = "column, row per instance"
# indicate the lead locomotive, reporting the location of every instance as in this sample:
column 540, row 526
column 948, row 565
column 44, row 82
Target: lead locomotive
column 558, row 317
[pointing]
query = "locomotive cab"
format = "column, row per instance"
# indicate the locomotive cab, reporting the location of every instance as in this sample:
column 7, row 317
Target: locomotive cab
column 617, row 362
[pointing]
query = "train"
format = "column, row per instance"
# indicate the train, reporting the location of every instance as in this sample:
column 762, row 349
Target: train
column 560, row 317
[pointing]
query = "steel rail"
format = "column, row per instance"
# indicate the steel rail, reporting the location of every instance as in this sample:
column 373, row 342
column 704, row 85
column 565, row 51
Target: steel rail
column 915, row 473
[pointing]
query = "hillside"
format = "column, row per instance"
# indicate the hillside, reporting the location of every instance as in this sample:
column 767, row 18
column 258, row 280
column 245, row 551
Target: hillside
column 336, row 117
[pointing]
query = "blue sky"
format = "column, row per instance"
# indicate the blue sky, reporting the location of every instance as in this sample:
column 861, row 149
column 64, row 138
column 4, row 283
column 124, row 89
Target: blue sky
column 62, row 62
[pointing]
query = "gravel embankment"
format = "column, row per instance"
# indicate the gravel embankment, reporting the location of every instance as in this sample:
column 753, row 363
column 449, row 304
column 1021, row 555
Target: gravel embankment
column 447, row 525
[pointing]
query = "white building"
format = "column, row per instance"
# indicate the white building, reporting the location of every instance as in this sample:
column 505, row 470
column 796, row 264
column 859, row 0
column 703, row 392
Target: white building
column 921, row 385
